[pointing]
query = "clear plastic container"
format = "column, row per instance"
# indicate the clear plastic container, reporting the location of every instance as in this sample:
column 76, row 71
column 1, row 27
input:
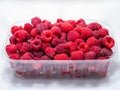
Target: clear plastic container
column 62, row 69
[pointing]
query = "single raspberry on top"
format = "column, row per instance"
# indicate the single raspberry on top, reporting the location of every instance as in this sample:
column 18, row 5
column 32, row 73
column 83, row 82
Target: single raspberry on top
column 16, row 28
column 91, row 55
column 26, row 56
column 92, row 41
column 25, row 47
column 66, row 26
column 94, row 26
column 103, row 32
column 77, row 55
column 61, row 56
column 35, row 21
column 36, row 44
column 11, row 48
column 28, row 27
column 50, row 51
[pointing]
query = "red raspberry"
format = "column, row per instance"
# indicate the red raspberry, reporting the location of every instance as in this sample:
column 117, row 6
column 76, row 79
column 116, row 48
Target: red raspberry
column 50, row 51
column 84, row 47
column 73, row 46
column 101, row 58
column 61, row 56
column 33, row 32
column 96, row 34
column 77, row 55
column 72, row 35
column 37, row 54
column 103, row 32
column 28, row 27
column 11, row 48
column 16, row 28
column 78, row 41
column 47, row 24
column 86, row 33
column 25, row 47
column 78, row 29
column 90, row 55
column 36, row 58
column 26, row 56
column 81, row 22
column 92, row 41
column 59, row 24
column 56, row 30
column 60, row 48
column 55, row 40
column 35, row 21
column 100, row 42
column 46, row 36
column 45, row 45
column 12, row 40
column 72, row 22
column 45, row 57
column 41, row 27
column 63, row 38
column 36, row 44
column 96, row 49
column 37, row 37
column 60, row 20
column 21, row 35
column 106, row 52
column 94, row 26
column 66, row 27
column 108, row 41
column 19, row 45
column 14, row 56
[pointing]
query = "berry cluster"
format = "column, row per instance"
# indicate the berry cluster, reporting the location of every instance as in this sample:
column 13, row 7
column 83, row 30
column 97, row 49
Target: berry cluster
column 62, row 40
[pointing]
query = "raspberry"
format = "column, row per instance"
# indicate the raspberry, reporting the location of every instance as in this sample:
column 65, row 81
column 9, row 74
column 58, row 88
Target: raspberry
column 60, row 48
column 36, row 58
column 46, row 36
column 59, row 24
column 78, row 41
column 28, row 27
column 72, row 22
column 12, row 40
column 11, row 48
column 61, row 56
column 25, row 47
column 63, row 38
column 78, row 29
column 96, row 49
column 36, row 44
column 94, row 26
column 89, row 55
column 16, row 28
column 77, row 55
column 86, row 33
column 60, row 20
column 14, row 56
column 45, row 45
column 103, row 32
column 92, row 41
column 56, row 30
column 101, row 58
column 47, row 24
column 106, row 52
column 41, row 27
column 26, row 56
column 37, row 37
column 55, row 40
column 33, row 32
column 66, row 27
column 30, row 39
column 72, row 35
column 45, row 57
column 35, row 21
column 37, row 54
column 19, row 45
column 100, row 42
column 20, row 35
column 81, row 22
column 108, row 41
column 50, row 51
column 83, row 47
column 96, row 34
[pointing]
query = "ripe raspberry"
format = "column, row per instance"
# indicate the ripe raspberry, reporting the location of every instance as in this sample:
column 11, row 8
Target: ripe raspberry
column 94, row 26
column 16, row 28
column 21, row 35
column 50, row 51
column 33, row 32
column 36, row 44
column 108, row 41
column 35, row 21
column 96, row 49
column 59, row 24
column 60, row 20
column 30, row 39
column 36, row 58
column 84, row 47
column 72, row 22
column 77, row 55
column 56, row 30
column 19, row 45
column 61, row 56
column 106, row 52
column 14, row 56
column 46, row 36
column 28, row 27
column 11, row 48
column 100, row 42
column 66, row 27
column 60, row 48
column 73, row 46
column 55, row 40
column 25, row 47
column 47, row 24
column 92, row 41
column 26, row 56
column 103, row 32
column 90, row 55
column 12, row 40
column 45, row 45
column 81, row 22
column 41, row 27
column 86, row 33
column 78, row 41
column 78, row 29
column 101, row 58
column 45, row 57
column 37, row 54
column 96, row 34
column 37, row 37
column 63, row 38
column 72, row 35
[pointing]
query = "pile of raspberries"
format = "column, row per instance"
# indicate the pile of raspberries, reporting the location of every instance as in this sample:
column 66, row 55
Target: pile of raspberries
column 62, row 40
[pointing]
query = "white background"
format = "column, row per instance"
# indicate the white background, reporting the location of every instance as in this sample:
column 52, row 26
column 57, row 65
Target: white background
column 14, row 10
